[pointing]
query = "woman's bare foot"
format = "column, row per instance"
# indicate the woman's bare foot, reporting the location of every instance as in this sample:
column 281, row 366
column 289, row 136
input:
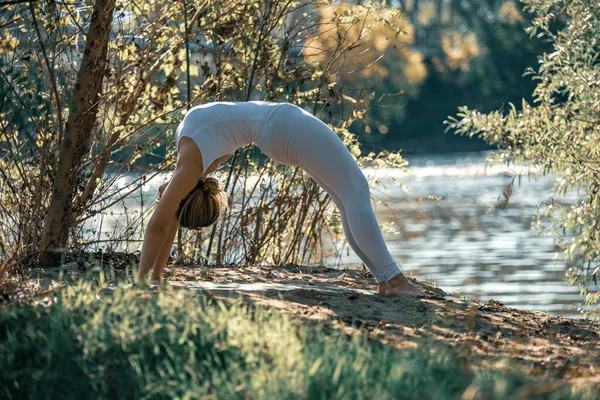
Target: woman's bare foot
column 159, row 282
column 400, row 286
column 381, row 288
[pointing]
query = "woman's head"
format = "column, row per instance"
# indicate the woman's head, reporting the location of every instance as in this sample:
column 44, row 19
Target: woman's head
column 202, row 206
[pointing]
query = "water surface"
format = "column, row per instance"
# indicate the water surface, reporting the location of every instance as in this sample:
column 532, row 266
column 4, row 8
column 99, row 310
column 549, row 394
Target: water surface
column 467, row 243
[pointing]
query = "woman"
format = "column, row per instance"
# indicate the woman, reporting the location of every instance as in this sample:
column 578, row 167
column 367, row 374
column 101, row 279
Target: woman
column 211, row 133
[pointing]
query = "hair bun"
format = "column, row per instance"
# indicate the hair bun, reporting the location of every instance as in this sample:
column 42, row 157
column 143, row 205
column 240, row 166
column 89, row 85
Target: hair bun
column 211, row 186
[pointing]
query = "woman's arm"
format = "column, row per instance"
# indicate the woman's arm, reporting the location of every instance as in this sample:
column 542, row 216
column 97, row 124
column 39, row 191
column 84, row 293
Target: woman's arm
column 160, row 226
column 212, row 167
column 165, row 251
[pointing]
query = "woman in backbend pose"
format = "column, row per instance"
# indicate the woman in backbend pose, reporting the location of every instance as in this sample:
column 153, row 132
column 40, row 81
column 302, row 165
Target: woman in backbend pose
column 211, row 133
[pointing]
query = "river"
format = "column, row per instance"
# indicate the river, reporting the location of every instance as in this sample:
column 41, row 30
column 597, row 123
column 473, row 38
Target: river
column 466, row 243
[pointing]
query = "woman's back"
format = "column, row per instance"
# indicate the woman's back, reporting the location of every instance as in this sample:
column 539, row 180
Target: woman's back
column 221, row 128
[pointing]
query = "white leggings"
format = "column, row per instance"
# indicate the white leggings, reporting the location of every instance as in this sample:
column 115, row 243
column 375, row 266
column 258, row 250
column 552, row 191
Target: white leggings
column 295, row 137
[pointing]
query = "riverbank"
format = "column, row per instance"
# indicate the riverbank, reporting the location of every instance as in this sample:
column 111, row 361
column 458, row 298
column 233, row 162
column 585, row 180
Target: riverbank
column 465, row 239
column 485, row 335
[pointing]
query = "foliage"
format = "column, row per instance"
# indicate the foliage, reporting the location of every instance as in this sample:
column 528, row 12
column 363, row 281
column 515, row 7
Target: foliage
column 474, row 53
column 86, row 341
column 164, row 57
column 380, row 63
column 560, row 132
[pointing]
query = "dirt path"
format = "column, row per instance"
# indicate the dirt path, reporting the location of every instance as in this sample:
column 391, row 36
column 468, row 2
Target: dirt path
column 483, row 333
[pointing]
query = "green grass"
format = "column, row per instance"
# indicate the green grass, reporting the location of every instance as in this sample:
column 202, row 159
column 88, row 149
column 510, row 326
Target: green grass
column 130, row 343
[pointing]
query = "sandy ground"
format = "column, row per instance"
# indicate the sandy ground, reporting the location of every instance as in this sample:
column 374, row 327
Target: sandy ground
column 483, row 333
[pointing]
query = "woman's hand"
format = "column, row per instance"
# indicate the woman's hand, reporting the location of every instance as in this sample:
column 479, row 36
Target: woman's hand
column 160, row 227
column 161, row 188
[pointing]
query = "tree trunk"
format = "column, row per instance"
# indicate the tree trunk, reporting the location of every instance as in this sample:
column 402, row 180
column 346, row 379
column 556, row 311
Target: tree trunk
column 78, row 130
column 414, row 20
column 439, row 22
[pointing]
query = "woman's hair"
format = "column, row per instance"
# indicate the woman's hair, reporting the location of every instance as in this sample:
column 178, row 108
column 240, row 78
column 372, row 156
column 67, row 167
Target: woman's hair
column 203, row 205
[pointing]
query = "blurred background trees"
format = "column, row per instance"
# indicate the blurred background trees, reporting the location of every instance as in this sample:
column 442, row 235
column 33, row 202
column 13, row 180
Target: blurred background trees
column 460, row 52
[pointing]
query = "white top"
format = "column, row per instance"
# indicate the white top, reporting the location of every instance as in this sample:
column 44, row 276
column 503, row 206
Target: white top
column 220, row 128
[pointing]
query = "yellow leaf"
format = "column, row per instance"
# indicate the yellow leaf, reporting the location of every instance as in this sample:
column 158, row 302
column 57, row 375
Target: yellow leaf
column 350, row 99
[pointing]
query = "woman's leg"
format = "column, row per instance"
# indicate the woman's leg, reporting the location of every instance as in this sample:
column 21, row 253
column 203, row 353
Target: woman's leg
column 398, row 285
column 348, row 232
column 362, row 229
column 317, row 149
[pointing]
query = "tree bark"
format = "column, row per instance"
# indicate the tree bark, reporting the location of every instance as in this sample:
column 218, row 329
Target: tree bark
column 439, row 22
column 414, row 20
column 78, row 130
